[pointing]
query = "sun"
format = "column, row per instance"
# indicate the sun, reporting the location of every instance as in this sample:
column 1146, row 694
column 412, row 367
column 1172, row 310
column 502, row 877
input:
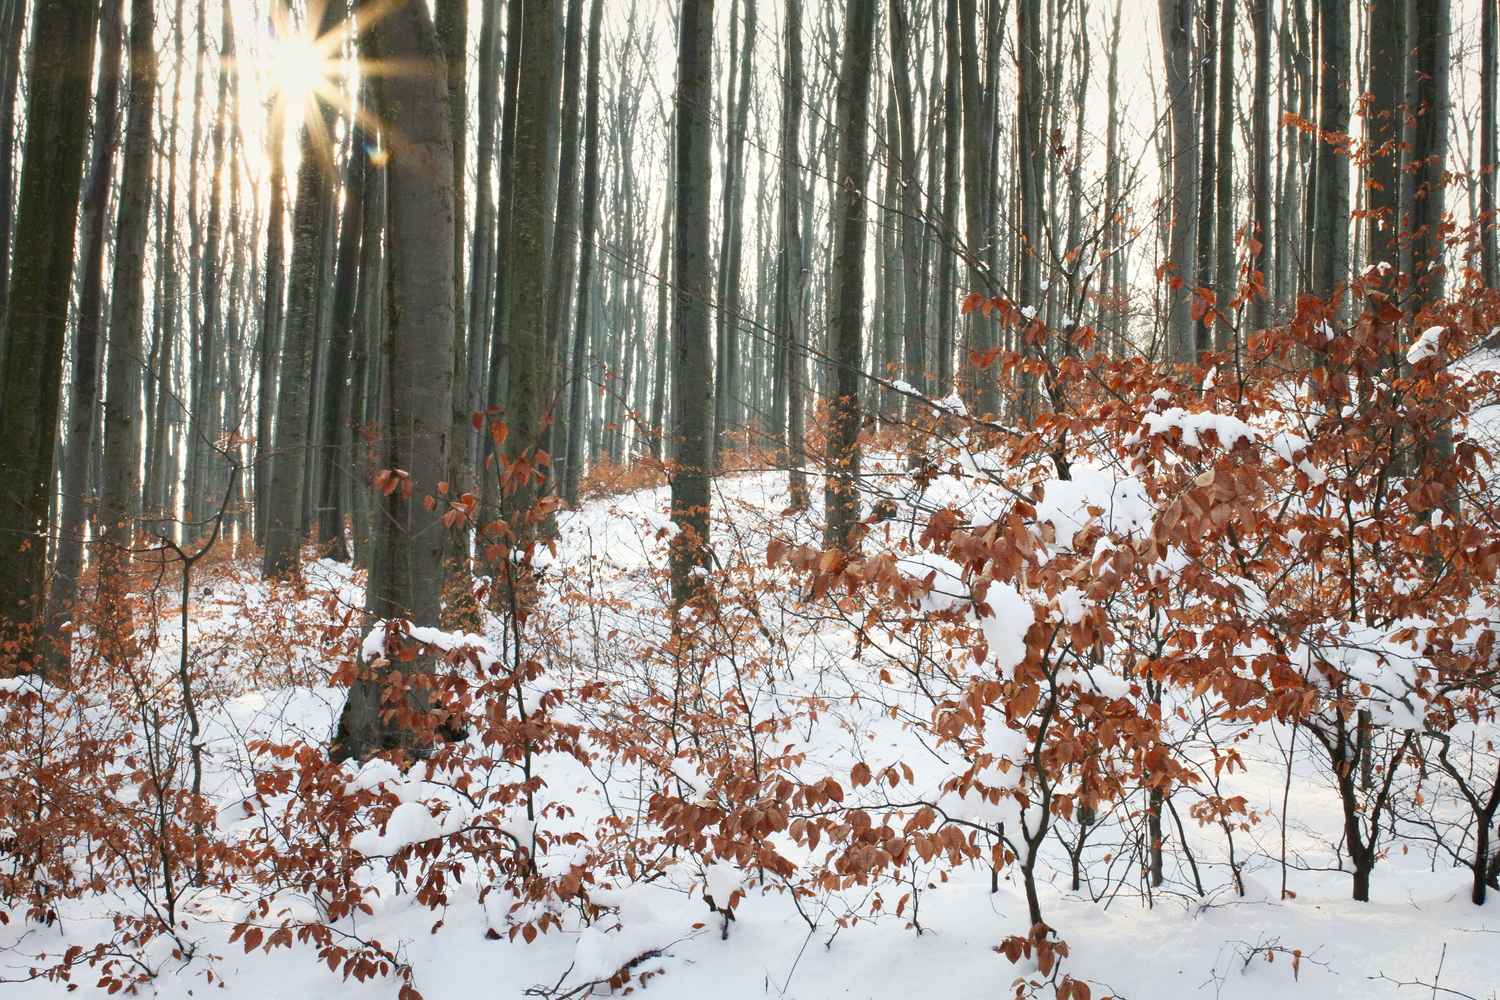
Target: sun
column 301, row 67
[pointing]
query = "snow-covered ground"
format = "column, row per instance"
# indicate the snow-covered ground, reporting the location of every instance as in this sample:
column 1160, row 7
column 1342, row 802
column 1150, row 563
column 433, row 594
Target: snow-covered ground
column 1125, row 938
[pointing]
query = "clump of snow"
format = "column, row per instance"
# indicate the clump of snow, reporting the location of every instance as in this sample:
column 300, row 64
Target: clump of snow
column 1426, row 346
column 1123, row 504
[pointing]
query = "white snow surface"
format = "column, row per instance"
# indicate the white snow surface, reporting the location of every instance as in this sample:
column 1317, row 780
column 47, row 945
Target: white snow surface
column 1176, row 945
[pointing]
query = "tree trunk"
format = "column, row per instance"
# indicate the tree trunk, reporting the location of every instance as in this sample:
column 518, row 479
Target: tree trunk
column 1260, row 166
column 529, row 381
column 57, row 127
column 420, row 301
column 1224, row 277
column 1331, row 223
column 126, row 321
column 586, row 225
column 693, row 374
column 285, row 516
column 83, row 401
column 1422, row 187
column 13, row 23
column 565, row 244
column 792, row 287
column 1182, row 179
column 1489, row 141
column 336, row 414
column 841, row 494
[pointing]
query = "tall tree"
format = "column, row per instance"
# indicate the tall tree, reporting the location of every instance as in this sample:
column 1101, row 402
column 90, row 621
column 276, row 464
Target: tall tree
column 1489, row 140
column 1331, row 221
column 529, row 382
column 692, row 272
column 1260, row 162
column 12, row 23
column 586, row 226
column 83, row 400
column 1181, row 176
column 1423, row 184
column 791, row 288
column 728, row 402
column 841, row 494
column 406, row 580
column 285, row 499
column 118, row 486
column 57, row 126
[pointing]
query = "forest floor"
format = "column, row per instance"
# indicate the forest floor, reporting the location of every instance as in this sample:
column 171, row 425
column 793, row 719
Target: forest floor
column 1419, row 936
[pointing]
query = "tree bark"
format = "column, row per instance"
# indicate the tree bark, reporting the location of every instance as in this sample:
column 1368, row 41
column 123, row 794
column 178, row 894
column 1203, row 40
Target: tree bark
column 126, row 321
column 841, row 493
column 1182, row 177
column 83, row 401
column 792, row 286
column 57, row 115
column 692, row 268
column 530, row 373
column 420, row 298
column 586, row 225
column 1423, row 186
column 1331, row 223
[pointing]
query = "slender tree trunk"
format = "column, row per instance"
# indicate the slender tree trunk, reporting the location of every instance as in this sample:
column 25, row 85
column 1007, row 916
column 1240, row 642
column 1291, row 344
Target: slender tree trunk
column 692, row 268
column 565, row 244
column 1177, row 46
column 1423, row 185
column 118, row 488
column 336, row 414
column 1260, row 166
column 1331, row 224
column 1224, row 278
column 1383, row 126
column 586, row 226
column 792, row 288
column 83, row 401
column 529, row 380
column 13, row 22
column 948, row 271
column 286, row 516
column 1489, row 140
column 841, row 494
column 268, row 345
column 57, row 117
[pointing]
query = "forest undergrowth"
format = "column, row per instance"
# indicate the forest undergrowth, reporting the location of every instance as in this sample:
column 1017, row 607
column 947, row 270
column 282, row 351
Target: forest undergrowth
column 1066, row 657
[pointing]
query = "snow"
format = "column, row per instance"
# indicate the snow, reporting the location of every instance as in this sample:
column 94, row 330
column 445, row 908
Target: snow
column 1426, row 346
column 1126, row 939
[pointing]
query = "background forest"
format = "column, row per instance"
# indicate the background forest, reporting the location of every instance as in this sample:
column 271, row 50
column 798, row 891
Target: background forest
column 656, row 484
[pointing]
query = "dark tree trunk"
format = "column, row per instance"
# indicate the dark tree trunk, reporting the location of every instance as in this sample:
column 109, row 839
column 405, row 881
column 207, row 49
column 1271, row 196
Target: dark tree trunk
column 57, row 128
column 1331, row 223
column 83, row 401
column 336, row 413
column 1182, row 179
column 692, row 268
column 1224, row 272
column 1260, row 166
column 841, row 494
column 1422, row 187
column 792, row 287
column 13, row 24
column 586, row 225
column 529, row 380
column 1489, row 140
column 1383, row 126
